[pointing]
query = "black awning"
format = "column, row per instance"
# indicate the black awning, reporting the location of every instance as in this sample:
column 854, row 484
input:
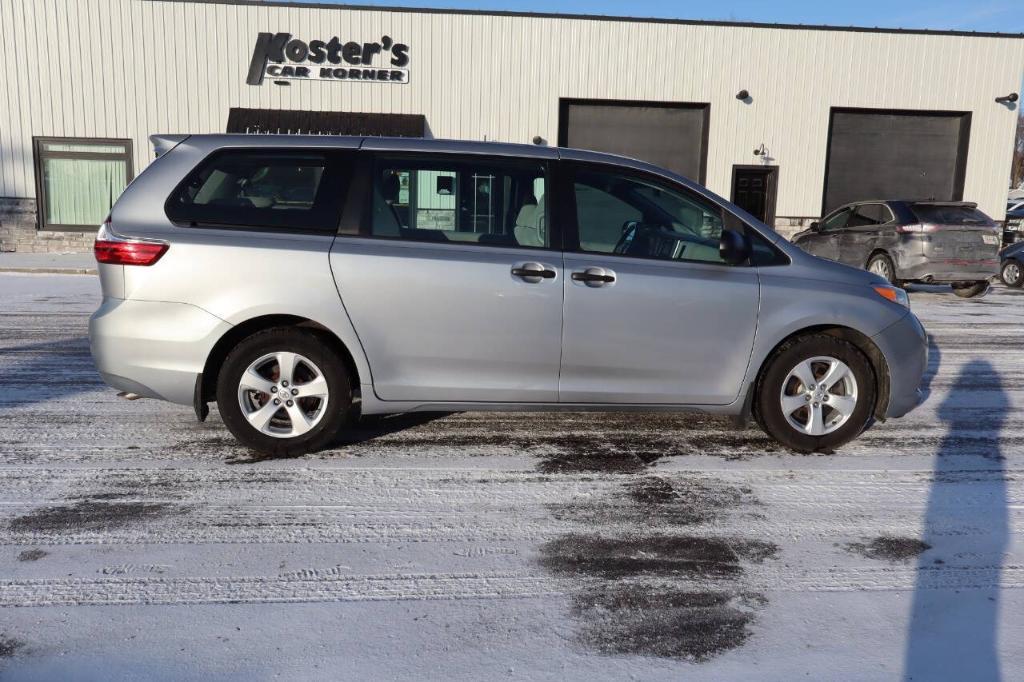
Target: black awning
column 284, row 121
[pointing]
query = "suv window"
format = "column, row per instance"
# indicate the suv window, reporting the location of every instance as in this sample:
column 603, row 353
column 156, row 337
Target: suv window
column 501, row 203
column 869, row 214
column 950, row 214
column 624, row 215
column 837, row 220
column 260, row 188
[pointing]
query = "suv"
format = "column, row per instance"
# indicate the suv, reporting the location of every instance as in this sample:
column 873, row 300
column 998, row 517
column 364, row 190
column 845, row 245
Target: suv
column 300, row 280
column 911, row 241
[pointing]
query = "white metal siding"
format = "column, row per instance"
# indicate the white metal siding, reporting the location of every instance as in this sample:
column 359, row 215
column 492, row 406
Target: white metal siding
column 129, row 68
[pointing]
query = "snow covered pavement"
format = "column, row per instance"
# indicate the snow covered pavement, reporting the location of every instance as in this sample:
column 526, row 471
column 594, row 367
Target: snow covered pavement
column 138, row 544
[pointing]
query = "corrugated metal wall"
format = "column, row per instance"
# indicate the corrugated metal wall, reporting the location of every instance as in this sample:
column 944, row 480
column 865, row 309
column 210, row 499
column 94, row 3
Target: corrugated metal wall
column 128, row 68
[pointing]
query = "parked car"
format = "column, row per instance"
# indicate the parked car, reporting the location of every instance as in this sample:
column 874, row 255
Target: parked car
column 1011, row 268
column 289, row 278
column 911, row 241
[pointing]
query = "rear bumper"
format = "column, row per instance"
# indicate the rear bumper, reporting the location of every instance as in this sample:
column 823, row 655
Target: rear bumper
column 905, row 347
column 151, row 348
column 948, row 269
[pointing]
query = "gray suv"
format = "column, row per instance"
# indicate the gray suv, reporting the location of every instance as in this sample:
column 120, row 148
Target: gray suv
column 911, row 241
column 300, row 281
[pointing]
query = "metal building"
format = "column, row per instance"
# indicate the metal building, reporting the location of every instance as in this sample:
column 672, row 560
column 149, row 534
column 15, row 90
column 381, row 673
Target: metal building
column 788, row 121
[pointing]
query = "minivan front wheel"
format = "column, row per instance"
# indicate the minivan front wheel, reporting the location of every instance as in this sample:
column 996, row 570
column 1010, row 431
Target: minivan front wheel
column 817, row 393
column 283, row 392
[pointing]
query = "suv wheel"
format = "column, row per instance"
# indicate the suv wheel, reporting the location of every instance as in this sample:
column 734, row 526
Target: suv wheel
column 283, row 392
column 970, row 289
column 1012, row 273
column 881, row 265
column 816, row 393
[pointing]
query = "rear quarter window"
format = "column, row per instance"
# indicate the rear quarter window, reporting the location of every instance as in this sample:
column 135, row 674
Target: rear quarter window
column 285, row 190
column 950, row 215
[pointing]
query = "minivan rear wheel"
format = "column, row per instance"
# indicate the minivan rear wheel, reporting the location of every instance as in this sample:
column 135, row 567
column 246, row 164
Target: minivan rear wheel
column 283, row 392
column 816, row 393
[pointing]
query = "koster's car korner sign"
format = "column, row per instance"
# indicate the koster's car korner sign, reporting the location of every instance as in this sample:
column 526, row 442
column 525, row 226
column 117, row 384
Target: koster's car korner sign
column 280, row 57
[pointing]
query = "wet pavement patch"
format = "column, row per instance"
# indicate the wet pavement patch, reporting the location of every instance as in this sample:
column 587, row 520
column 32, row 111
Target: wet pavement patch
column 32, row 555
column 889, row 548
column 645, row 587
column 664, row 622
column 9, row 646
column 660, row 501
column 677, row 556
column 88, row 515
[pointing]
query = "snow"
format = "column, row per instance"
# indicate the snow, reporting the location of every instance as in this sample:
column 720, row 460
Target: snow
column 138, row 544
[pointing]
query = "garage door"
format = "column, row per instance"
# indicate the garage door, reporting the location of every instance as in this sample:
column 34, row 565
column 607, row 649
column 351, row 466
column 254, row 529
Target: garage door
column 673, row 136
column 895, row 155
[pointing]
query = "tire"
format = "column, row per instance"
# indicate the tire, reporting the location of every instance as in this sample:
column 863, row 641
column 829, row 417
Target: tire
column 310, row 422
column 970, row 289
column 1012, row 273
column 882, row 265
column 838, row 426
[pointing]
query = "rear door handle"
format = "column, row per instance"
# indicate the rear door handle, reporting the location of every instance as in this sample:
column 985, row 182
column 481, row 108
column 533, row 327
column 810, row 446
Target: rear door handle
column 533, row 272
column 594, row 277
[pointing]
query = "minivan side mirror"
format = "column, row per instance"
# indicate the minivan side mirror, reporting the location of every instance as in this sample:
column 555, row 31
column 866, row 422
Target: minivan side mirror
column 815, row 226
column 733, row 247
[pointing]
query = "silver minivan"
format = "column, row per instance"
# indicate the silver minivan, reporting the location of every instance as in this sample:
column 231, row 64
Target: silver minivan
column 299, row 281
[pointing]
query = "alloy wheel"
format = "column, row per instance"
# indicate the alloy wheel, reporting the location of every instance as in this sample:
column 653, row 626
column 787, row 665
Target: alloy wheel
column 819, row 395
column 1011, row 273
column 283, row 394
column 880, row 267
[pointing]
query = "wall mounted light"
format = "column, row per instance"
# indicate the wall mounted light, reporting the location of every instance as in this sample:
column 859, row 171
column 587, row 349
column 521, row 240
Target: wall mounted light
column 1007, row 99
column 742, row 95
column 538, row 140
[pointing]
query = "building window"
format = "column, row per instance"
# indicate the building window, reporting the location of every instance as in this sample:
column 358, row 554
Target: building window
column 78, row 180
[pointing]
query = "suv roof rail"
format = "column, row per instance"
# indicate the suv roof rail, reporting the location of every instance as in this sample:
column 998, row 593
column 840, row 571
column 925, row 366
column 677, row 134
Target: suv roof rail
column 970, row 204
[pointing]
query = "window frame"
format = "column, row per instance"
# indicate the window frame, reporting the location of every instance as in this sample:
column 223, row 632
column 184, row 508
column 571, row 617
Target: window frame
column 567, row 207
column 362, row 225
column 848, row 208
column 40, row 155
column 335, row 171
column 856, row 210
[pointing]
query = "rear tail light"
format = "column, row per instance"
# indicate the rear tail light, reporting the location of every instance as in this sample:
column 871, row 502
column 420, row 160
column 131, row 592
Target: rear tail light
column 113, row 249
column 918, row 228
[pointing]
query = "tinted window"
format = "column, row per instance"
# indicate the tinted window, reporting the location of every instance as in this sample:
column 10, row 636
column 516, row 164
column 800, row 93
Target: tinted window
column 837, row 220
column 632, row 217
column 869, row 214
column 260, row 189
column 484, row 202
column 950, row 215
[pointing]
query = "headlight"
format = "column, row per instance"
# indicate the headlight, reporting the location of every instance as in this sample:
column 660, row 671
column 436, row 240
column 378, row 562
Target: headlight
column 894, row 294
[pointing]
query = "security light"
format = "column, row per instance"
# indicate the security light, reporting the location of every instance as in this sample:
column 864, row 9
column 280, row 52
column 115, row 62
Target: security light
column 1007, row 99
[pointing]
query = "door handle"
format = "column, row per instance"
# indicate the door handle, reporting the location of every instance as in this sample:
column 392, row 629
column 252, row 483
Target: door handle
column 533, row 271
column 593, row 277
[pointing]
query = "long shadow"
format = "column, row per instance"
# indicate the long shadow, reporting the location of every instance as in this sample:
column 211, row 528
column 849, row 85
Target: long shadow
column 954, row 627
column 38, row 372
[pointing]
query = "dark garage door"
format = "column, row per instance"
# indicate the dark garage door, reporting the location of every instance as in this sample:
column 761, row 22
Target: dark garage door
column 895, row 155
column 672, row 136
